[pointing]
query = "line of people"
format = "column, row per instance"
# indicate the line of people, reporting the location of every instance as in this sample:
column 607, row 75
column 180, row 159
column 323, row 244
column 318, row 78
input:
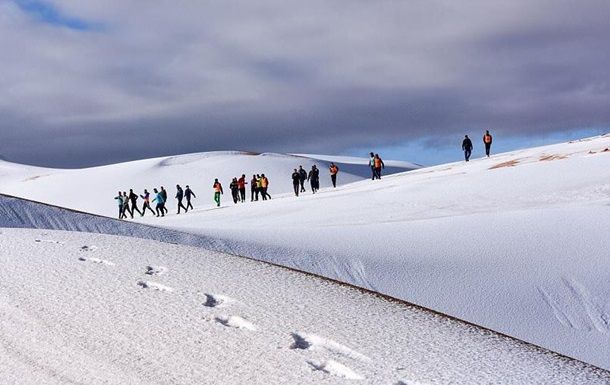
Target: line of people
column 128, row 202
column 299, row 176
column 467, row 145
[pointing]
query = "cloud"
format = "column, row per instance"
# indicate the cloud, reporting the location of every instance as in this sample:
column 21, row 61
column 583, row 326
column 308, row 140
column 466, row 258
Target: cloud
column 165, row 77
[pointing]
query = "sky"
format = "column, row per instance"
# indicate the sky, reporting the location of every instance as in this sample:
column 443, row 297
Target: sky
column 96, row 82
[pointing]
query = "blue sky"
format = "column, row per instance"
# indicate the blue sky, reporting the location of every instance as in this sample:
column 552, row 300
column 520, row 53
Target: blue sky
column 46, row 12
column 109, row 81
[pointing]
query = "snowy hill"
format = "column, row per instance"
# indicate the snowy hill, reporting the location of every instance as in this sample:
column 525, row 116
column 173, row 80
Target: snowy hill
column 516, row 243
column 93, row 189
column 91, row 308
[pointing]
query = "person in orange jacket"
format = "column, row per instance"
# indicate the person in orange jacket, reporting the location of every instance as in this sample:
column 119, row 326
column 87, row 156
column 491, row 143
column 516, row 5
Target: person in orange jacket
column 378, row 164
column 334, row 170
column 487, row 139
column 217, row 192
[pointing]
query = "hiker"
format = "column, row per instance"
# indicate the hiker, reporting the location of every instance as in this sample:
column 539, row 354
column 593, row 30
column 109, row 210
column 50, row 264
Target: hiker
column 296, row 180
column 217, row 191
column 259, row 187
column 487, row 139
column 241, row 183
column 253, row 189
column 378, row 163
column 164, row 194
column 314, row 179
column 159, row 208
column 126, row 208
column 234, row 186
column 133, row 197
column 179, row 197
column 146, row 198
column 467, row 147
column 119, row 199
column 303, row 178
column 372, row 165
column 188, row 194
column 264, row 186
column 333, row 173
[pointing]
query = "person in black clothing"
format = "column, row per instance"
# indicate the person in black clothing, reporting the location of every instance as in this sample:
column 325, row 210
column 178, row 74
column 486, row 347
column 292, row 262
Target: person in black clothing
column 296, row 181
column 487, row 139
column 467, row 147
column 133, row 197
column 372, row 164
column 253, row 189
column 164, row 195
column 188, row 194
column 179, row 197
column 303, row 176
column 314, row 178
column 234, row 190
column 146, row 198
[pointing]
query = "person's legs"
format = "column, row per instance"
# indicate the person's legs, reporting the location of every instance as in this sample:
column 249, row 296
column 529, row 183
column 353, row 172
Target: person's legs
column 134, row 208
column 158, row 209
column 120, row 212
column 333, row 178
column 189, row 205
column 487, row 149
column 296, row 188
column 302, row 185
column 217, row 198
column 266, row 193
column 373, row 172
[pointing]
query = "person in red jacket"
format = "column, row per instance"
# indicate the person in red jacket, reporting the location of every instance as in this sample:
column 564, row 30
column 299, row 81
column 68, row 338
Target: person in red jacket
column 241, row 183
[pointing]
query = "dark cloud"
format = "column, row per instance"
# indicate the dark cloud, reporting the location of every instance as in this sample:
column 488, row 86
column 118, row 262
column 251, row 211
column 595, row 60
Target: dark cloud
column 283, row 77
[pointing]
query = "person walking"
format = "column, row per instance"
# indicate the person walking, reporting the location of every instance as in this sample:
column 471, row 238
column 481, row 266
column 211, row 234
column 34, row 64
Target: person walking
column 146, row 198
column 264, row 187
column 179, row 197
column 234, row 187
column 217, row 191
column 133, row 197
column 487, row 139
column 188, row 194
column 253, row 190
column 160, row 207
column 164, row 194
column 378, row 163
column 296, row 180
column 303, row 178
column 119, row 199
column 467, row 147
column 372, row 165
column 314, row 179
column 126, row 208
column 241, row 183
column 333, row 173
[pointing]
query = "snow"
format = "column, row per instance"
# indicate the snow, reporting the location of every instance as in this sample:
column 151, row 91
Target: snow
column 63, row 321
column 516, row 243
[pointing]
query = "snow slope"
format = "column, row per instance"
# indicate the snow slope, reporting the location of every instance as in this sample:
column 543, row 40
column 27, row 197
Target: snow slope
column 92, row 189
column 97, row 309
column 516, row 243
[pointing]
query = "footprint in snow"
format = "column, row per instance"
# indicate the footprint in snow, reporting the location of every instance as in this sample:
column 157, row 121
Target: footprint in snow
column 88, row 248
column 217, row 300
column 155, row 270
column 155, row 286
column 96, row 260
column 313, row 342
column 49, row 241
column 335, row 368
column 236, row 322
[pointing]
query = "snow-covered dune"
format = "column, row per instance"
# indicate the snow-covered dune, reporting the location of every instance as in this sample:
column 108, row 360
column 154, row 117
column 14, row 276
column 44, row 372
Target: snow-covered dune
column 92, row 189
column 100, row 309
column 516, row 243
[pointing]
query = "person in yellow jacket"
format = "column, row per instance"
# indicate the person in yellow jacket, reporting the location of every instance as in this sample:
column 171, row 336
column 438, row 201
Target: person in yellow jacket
column 334, row 170
column 264, row 187
column 487, row 139
column 217, row 191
